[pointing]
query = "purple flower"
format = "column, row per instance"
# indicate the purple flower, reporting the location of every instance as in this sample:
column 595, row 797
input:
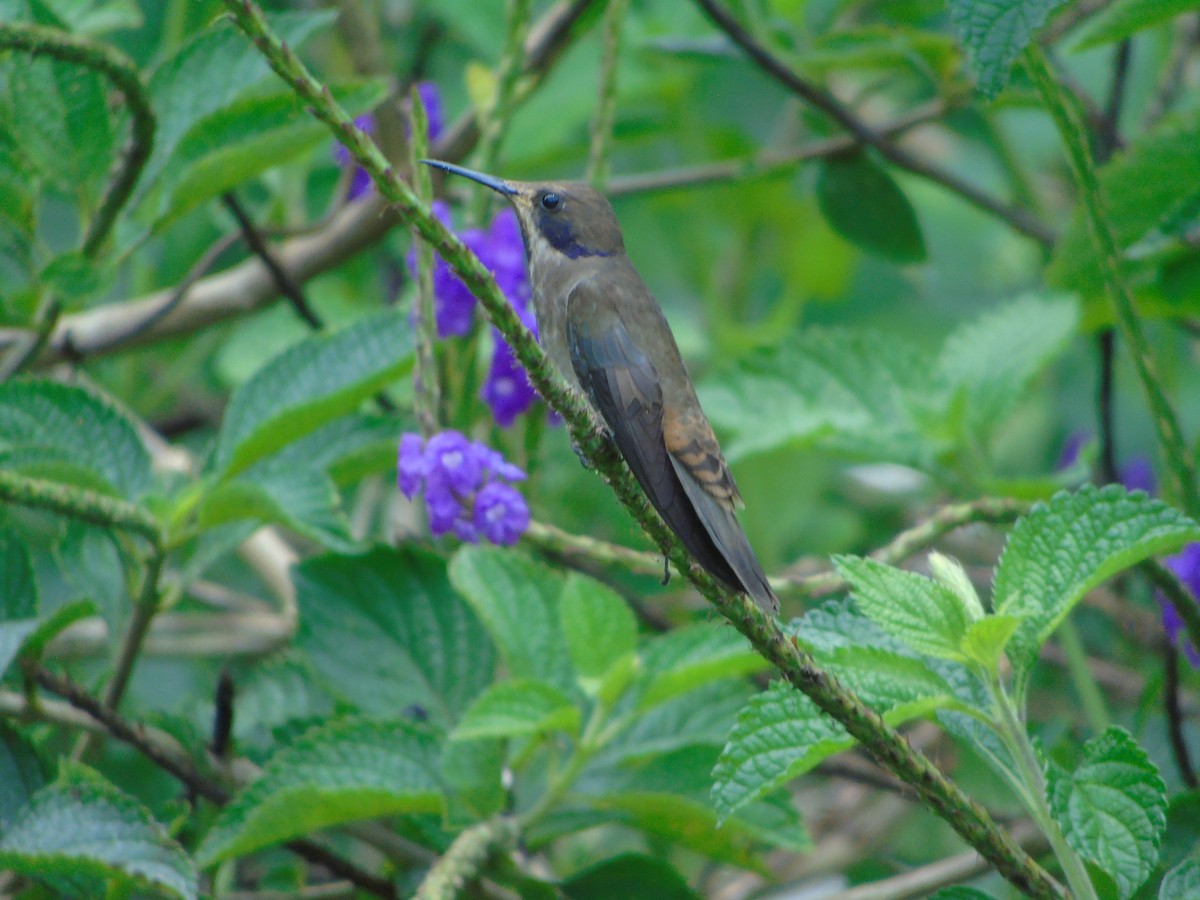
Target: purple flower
column 1138, row 475
column 453, row 302
column 1186, row 566
column 1074, row 445
column 467, row 487
column 501, row 513
column 507, row 389
column 360, row 181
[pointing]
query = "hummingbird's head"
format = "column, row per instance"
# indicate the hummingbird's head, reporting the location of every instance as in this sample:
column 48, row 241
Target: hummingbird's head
column 557, row 217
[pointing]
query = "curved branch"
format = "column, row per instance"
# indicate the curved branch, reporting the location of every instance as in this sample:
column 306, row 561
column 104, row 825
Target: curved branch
column 121, row 71
column 1018, row 218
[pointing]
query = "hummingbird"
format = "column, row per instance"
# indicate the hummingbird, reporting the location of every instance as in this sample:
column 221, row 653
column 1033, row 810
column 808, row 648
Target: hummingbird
column 604, row 331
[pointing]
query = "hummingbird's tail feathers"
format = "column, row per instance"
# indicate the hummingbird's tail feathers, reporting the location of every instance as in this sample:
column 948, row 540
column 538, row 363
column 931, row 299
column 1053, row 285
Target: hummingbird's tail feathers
column 729, row 541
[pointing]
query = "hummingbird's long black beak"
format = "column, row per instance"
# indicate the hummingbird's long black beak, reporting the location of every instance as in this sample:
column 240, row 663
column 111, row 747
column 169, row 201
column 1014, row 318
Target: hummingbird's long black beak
column 496, row 184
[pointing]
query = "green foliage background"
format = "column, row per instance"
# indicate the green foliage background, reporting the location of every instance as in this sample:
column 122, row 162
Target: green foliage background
column 882, row 338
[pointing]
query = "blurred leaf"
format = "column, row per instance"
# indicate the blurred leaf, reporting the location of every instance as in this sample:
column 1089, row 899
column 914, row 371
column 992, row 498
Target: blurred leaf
column 863, row 204
column 992, row 359
column 209, row 73
column 73, row 278
column 21, row 774
column 65, row 433
column 246, row 138
column 386, row 632
column 64, row 128
column 80, row 826
column 994, row 32
column 474, row 770
column 1142, row 187
column 918, row 611
column 782, row 734
column 1181, row 882
column 597, row 624
column 341, row 772
column 96, row 18
column 686, row 658
column 702, row 716
column 517, row 600
column 517, row 708
column 1112, row 808
column 308, row 385
column 630, row 876
column 18, row 598
column 960, row 892
column 1123, row 18
column 90, row 562
column 1068, row 546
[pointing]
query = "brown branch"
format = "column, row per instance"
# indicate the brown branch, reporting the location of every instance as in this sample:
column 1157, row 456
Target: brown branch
column 1017, row 217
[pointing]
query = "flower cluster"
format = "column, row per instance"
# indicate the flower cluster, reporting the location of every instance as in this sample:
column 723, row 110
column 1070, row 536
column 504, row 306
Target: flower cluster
column 467, row 485
column 500, row 248
column 360, row 181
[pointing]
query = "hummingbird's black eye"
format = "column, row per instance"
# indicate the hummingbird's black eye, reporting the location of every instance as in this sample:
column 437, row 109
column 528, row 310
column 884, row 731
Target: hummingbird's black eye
column 551, row 201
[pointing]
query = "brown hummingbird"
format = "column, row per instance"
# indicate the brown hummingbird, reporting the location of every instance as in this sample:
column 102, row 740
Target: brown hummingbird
column 603, row 329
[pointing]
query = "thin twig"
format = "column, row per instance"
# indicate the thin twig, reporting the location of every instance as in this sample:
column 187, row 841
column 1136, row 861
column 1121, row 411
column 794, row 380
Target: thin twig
column 1177, row 595
column 1187, row 35
column 427, row 401
column 1174, row 712
column 283, row 280
column 606, row 96
column 1018, row 218
column 462, row 862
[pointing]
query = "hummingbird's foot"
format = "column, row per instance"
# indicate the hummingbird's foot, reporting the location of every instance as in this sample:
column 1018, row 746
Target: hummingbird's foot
column 583, row 460
column 607, row 436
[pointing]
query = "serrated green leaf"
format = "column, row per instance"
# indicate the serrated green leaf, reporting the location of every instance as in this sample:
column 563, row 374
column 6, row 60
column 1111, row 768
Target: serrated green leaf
column 700, row 717
column 781, row 733
column 21, row 774
column 210, row 72
column 686, row 658
column 863, row 394
column 386, row 632
column 1182, row 882
column 90, row 563
column 986, row 639
column 1142, row 187
column 517, row 600
column 994, row 32
column 340, row 772
column 1123, row 18
column 243, row 140
column 597, row 624
column 95, row 18
column 474, row 770
column 66, row 433
column 308, row 385
column 80, row 824
column 1068, row 546
column 1113, row 808
column 862, row 203
column 630, row 876
column 920, row 612
column 991, row 359
column 517, row 708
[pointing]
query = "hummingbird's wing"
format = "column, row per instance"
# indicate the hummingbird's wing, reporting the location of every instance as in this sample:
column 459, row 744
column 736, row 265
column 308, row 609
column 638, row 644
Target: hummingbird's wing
column 691, row 488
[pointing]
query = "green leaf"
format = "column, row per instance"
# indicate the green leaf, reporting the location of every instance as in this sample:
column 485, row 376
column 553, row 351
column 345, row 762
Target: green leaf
column 781, row 733
column 82, row 826
column 1142, row 187
column 1112, row 808
column 630, row 876
column 991, row 360
column 517, row 600
column 686, row 658
column 920, row 612
column 1068, row 546
column 65, row 128
column 960, row 892
column 340, row 772
column 597, row 624
column 96, row 18
column 1123, row 18
column 65, row 433
column 21, row 774
column 994, row 32
column 18, row 598
column 861, row 394
column 209, row 73
column 517, row 708
column 386, row 632
column 986, row 639
column 700, row 717
column 243, row 140
column 1182, row 882
column 863, row 204
column 308, row 385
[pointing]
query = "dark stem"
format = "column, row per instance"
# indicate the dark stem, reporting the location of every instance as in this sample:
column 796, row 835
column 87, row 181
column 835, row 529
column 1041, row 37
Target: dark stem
column 1106, row 347
column 1179, row 747
column 1018, row 218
